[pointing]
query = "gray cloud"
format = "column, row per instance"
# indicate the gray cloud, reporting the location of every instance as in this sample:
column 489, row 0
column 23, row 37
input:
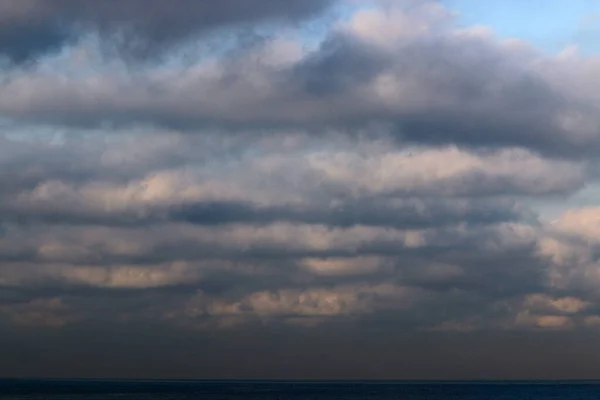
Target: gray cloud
column 416, row 215
column 92, row 181
column 434, row 88
column 139, row 29
column 389, row 180
column 220, row 236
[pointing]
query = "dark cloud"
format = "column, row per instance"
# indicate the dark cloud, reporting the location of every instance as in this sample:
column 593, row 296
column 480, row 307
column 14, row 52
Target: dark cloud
column 138, row 28
column 417, row 215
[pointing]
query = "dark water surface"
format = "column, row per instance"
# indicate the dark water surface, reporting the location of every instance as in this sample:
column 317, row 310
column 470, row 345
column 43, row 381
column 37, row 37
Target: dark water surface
column 261, row 390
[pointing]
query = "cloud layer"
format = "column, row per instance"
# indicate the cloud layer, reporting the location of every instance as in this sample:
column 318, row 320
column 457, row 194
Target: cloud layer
column 395, row 171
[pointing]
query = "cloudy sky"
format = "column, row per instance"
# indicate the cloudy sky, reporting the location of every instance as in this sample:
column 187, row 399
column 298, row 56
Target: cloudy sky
column 300, row 189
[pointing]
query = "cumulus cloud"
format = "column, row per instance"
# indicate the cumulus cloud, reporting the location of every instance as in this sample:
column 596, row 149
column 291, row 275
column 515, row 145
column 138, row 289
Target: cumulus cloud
column 391, row 172
column 430, row 83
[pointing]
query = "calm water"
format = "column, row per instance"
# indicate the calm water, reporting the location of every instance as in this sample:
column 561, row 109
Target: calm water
column 229, row 390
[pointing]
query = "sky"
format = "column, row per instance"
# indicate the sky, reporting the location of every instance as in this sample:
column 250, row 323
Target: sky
column 316, row 189
column 550, row 25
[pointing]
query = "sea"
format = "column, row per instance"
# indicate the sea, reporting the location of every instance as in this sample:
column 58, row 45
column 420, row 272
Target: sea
column 296, row 390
